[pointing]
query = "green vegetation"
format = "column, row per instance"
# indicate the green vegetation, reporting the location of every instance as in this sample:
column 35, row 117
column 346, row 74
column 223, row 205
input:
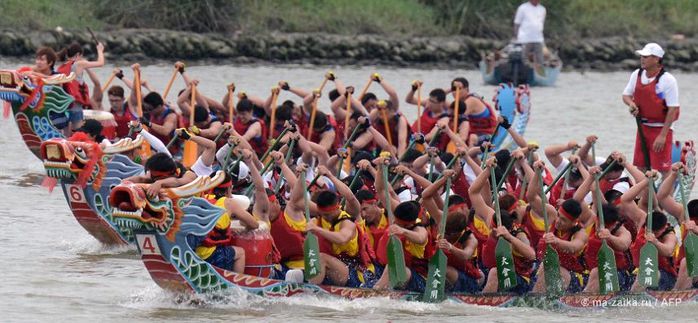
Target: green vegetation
column 479, row 18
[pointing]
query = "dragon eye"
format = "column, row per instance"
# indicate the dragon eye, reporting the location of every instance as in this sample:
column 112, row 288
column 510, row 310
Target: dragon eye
column 80, row 153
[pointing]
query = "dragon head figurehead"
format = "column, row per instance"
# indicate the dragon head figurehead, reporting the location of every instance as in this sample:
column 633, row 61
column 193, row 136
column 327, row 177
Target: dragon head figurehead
column 133, row 208
column 77, row 158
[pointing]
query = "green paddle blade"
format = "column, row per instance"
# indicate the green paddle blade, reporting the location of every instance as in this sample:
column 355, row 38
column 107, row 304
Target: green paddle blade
column 608, row 271
column 434, row 290
column 691, row 245
column 506, row 272
column 551, row 263
column 311, row 249
column 649, row 267
column 396, row 263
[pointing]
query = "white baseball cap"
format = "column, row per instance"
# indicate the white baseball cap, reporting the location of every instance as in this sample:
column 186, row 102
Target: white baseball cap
column 651, row 49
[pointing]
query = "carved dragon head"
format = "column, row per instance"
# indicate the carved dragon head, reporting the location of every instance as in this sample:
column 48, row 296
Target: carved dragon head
column 163, row 214
column 78, row 159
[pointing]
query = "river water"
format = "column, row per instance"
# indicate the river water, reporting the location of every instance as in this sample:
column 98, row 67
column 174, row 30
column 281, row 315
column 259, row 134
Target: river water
column 53, row 270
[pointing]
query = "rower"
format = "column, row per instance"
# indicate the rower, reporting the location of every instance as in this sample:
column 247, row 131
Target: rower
column 566, row 236
column 482, row 118
column 251, row 128
column 398, row 130
column 433, row 109
column 120, row 109
column 373, row 219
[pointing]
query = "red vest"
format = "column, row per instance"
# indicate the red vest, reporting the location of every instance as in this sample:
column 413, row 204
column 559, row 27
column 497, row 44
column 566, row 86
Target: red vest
column 78, row 91
column 594, row 245
column 290, row 244
column 568, row 261
column 394, row 127
column 522, row 266
column 122, row 121
column 428, row 121
column 460, row 186
column 259, row 143
column 557, row 190
column 331, row 125
column 420, row 265
column 652, row 107
column 467, row 266
column 665, row 263
column 483, row 125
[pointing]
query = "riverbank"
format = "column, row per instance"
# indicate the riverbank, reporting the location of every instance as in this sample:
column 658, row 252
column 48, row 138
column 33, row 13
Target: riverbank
column 128, row 45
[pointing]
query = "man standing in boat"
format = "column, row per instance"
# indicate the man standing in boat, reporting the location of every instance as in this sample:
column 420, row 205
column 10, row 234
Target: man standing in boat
column 528, row 30
column 653, row 97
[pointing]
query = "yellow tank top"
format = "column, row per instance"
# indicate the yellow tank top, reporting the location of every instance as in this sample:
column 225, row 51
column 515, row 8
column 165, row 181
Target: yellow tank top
column 350, row 248
column 481, row 226
column 538, row 222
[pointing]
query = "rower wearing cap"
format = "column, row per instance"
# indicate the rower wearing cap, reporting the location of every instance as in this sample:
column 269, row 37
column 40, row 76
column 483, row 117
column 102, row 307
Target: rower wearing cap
column 654, row 98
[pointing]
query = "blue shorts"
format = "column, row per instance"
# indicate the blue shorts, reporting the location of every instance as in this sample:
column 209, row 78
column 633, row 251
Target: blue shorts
column 466, row 284
column 577, row 282
column 625, row 280
column 75, row 114
column 666, row 281
column 223, row 257
column 523, row 285
column 417, row 283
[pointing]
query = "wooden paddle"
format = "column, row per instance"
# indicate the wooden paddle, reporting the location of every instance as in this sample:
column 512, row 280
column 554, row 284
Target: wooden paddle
column 382, row 106
column 455, row 110
column 324, row 82
column 648, row 275
column 551, row 260
column 419, row 108
column 231, row 103
column 311, row 248
column 347, row 115
column 139, row 107
column 274, row 100
column 169, row 83
column 643, row 142
column 436, row 278
column 690, row 243
column 313, row 112
column 365, row 89
column 506, row 272
column 605, row 259
column 396, row 258
column 190, row 153
column 109, row 80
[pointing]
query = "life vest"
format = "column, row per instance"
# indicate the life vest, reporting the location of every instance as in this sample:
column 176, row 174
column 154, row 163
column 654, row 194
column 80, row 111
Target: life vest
column 122, row 121
column 653, row 109
column 594, row 245
column 376, row 232
column 557, row 190
column 416, row 255
column 160, row 120
column 258, row 143
column 460, row 186
column 665, row 263
column 219, row 236
column 79, row 92
column 481, row 230
column 394, row 127
column 606, row 185
column 316, row 137
column 428, row 121
column 290, row 233
column 522, row 266
column 482, row 123
column 571, row 262
column 357, row 251
column 534, row 226
column 469, row 266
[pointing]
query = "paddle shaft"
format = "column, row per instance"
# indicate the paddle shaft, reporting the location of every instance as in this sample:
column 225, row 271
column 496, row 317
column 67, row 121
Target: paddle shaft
column 169, row 84
column 495, row 197
column 558, row 177
column 313, row 112
column 386, row 125
column 419, row 108
column 455, row 110
column 347, row 116
column 507, row 170
column 365, row 89
column 109, row 80
column 539, row 173
column 231, row 106
column 643, row 143
column 272, row 123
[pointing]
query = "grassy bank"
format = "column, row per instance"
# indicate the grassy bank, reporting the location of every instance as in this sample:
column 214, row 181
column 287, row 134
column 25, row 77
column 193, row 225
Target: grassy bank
column 492, row 19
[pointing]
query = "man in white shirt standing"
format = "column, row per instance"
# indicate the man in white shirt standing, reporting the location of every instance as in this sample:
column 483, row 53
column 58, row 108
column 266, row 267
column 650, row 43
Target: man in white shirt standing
column 653, row 98
column 528, row 29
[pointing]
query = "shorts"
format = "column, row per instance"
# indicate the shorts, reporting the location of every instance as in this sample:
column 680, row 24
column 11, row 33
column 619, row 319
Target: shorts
column 666, row 281
column 523, row 285
column 625, row 280
column 534, row 50
column 660, row 161
column 577, row 282
column 466, row 284
column 75, row 114
column 223, row 257
column 417, row 283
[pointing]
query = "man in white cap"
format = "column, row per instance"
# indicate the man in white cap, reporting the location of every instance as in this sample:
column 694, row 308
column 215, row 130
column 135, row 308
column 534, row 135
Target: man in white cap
column 653, row 97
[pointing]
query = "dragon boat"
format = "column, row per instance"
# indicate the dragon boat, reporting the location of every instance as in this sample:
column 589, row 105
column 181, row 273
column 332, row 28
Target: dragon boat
column 513, row 103
column 86, row 175
column 35, row 102
column 508, row 65
column 162, row 224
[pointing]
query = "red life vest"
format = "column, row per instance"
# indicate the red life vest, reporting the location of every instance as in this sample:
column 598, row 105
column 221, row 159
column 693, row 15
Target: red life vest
column 160, row 120
column 427, row 120
column 571, row 262
column 652, row 107
column 258, row 143
column 394, row 126
column 460, row 186
column 216, row 238
column 594, row 245
column 468, row 266
column 522, row 266
column 291, row 240
column 557, row 190
column 78, row 91
column 483, row 125
column 665, row 263
column 123, row 120
column 331, row 125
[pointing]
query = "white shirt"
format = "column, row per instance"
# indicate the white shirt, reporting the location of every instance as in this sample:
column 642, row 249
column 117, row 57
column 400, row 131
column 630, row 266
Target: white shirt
column 530, row 19
column 667, row 88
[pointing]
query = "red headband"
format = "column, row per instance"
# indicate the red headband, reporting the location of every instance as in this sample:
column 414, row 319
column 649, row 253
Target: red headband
column 373, row 200
column 328, row 208
column 455, row 206
column 565, row 214
column 271, row 197
column 513, row 207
